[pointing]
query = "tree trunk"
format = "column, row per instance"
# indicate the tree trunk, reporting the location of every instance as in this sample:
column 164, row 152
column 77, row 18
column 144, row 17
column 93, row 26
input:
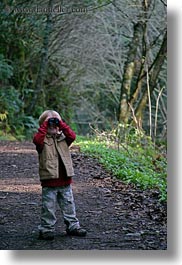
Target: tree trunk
column 157, row 64
column 129, row 70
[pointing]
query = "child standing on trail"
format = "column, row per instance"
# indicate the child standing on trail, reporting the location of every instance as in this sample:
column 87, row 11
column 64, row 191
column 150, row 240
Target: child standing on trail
column 56, row 171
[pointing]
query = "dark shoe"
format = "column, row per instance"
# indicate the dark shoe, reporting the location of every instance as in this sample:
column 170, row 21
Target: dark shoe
column 76, row 232
column 46, row 235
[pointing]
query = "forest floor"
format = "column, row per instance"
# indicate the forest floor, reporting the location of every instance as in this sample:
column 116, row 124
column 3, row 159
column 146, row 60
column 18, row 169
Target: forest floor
column 116, row 216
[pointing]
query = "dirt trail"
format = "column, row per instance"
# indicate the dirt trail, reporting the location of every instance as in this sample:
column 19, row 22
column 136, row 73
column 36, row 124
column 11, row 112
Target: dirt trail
column 116, row 216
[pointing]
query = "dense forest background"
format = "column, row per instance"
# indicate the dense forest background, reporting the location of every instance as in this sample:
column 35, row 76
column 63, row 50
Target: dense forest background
column 99, row 63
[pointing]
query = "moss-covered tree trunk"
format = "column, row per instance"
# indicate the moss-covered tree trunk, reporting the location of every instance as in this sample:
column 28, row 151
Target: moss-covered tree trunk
column 129, row 71
column 139, row 77
column 153, row 75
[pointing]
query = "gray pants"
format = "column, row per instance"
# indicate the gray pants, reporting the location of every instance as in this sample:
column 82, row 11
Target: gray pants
column 64, row 197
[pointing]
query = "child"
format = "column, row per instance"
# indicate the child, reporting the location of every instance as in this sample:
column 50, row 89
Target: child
column 56, row 171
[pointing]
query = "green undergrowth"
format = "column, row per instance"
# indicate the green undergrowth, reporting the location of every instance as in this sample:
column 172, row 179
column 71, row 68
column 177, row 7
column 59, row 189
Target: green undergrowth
column 6, row 137
column 141, row 165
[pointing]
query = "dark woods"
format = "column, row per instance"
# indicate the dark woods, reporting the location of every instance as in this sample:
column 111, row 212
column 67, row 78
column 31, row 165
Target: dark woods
column 99, row 63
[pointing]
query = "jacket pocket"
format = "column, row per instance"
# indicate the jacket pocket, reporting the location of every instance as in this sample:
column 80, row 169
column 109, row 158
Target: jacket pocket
column 48, row 169
column 49, row 151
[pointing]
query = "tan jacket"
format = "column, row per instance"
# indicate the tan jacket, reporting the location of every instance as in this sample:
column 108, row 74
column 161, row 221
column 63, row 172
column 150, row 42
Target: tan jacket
column 49, row 157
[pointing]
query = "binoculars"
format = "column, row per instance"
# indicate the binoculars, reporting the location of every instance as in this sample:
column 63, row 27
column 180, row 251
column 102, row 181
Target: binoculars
column 53, row 121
